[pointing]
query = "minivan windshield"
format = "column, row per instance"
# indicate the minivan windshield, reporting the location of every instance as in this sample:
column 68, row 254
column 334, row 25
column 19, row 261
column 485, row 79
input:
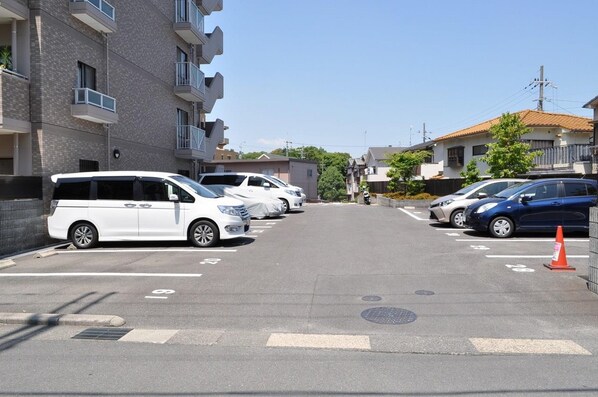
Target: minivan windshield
column 276, row 180
column 469, row 188
column 196, row 187
column 512, row 190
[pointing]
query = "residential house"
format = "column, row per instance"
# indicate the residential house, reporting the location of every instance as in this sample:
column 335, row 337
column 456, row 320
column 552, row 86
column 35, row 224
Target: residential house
column 101, row 85
column 297, row 172
column 430, row 168
column 593, row 104
column 355, row 174
column 376, row 168
column 562, row 139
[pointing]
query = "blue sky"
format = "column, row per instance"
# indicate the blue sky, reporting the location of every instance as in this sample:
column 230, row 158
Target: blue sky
column 345, row 74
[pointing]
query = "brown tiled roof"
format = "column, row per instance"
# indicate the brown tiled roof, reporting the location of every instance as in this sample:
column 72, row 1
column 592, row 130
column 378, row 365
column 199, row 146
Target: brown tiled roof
column 531, row 118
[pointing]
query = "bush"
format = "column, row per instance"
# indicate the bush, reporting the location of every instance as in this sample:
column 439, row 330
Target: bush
column 401, row 196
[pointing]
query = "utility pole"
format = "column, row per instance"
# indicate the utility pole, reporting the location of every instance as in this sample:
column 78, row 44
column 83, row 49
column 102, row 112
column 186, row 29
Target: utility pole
column 425, row 134
column 540, row 83
column 287, row 147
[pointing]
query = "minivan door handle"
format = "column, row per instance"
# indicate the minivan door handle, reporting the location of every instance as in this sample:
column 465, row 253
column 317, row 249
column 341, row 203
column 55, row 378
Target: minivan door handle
column 145, row 205
column 556, row 204
column 130, row 205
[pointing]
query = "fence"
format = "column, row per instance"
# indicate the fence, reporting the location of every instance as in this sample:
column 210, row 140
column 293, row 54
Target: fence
column 562, row 156
column 20, row 187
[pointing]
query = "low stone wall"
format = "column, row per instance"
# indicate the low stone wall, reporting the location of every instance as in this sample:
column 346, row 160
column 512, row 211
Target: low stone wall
column 593, row 268
column 386, row 202
column 22, row 226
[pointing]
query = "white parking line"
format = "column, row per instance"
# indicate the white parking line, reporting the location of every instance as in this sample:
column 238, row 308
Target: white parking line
column 519, row 240
column 411, row 215
column 107, row 274
column 536, row 256
column 448, row 229
column 111, row 251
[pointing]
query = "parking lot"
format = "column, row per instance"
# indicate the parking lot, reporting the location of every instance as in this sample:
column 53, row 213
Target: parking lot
column 317, row 271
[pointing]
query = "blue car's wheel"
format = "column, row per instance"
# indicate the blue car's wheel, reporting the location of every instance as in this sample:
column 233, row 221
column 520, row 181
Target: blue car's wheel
column 502, row 227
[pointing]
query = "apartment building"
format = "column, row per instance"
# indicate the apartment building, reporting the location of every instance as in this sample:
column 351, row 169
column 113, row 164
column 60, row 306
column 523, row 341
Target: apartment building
column 107, row 85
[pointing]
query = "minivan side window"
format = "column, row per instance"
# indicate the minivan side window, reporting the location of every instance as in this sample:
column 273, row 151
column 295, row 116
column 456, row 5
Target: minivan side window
column 576, row 189
column 115, row 189
column 155, row 190
column 231, row 180
column 542, row 192
column 259, row 181
column 72, row 189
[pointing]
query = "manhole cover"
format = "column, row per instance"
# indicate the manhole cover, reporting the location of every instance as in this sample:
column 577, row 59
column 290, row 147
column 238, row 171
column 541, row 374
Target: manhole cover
column 371, row 298
column 424, row 292
column 388, row 315
column 103, row 333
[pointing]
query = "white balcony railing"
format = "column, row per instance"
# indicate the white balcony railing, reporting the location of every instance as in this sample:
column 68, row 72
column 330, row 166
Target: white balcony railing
column 187, row 11
column 86, row 96
column 189, row 74
column 101, row 5
column 190, row 137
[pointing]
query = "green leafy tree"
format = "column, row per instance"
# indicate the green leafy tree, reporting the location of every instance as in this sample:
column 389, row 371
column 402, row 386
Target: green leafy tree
column 402, row 168
column 508, row 156
column 471, row 173
column 252, row 155
column 332, row 185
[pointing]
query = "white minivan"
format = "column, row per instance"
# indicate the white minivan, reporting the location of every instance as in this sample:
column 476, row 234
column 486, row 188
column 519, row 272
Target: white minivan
column 255, row 185
column 88, row 207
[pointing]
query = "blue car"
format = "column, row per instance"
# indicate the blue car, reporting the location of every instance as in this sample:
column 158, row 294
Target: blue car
column 535, row 206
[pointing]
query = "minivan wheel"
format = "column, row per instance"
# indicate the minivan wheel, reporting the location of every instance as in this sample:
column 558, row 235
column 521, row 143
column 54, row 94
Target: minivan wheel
column 502, row 227
column 204, row 234
column 84, row 235
column 458, row 218
column 285, row 205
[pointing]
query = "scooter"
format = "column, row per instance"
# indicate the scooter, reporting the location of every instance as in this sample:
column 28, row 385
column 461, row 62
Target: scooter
column 366, row 197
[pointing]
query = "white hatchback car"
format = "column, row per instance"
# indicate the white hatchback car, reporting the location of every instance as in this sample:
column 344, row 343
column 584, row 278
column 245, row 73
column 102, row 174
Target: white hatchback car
column 450, row 209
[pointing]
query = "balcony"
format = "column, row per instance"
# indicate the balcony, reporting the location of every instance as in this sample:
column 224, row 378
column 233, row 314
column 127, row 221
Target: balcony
column 209, row 6
column 214, row 91
column 14, row 103
column 213, row 47
column 12, row 9
column 189, row 22
column 562, row 158
column 93, row 106
column 190, row 82
column 98, row 14
column 190, row 143
column 214, row 135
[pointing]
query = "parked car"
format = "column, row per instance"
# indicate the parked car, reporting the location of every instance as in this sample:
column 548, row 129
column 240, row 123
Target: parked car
column 258, row 207
column 134, row 205
column 539, row 205
column 278, row 180
column 450, row 208
column 252, row 184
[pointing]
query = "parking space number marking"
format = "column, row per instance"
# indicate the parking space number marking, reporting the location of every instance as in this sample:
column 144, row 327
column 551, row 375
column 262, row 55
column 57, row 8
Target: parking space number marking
column 520, row 268
column 210, row 261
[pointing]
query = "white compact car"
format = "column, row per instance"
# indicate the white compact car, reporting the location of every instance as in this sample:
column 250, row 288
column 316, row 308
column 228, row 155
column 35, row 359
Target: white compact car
column 450, row 209
column 88, row 207
column 255, row 185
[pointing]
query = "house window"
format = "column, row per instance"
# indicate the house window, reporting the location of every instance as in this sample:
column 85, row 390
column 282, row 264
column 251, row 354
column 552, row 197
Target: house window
column 86, row 76
column 89, row 165
column 455, row 156
column 539, row 143
column 479, row 150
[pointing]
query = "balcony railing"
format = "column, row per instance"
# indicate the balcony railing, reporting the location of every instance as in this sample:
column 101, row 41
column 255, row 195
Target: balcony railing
column 101, row 5
column 86, row 96
column 190, row 137
column 187, row 11
column 189, row 74
column 562, row 156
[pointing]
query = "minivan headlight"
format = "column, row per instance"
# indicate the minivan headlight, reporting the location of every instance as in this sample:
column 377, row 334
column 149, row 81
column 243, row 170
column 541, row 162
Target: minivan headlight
column 228, row 210
column 289, row 192
column 486, row 207
column 446, row 202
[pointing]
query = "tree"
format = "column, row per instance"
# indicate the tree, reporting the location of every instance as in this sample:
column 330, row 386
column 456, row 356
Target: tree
column 403, row 166
column 508, row 156
column 471, row 173
column 252, row 155
column 332, row 185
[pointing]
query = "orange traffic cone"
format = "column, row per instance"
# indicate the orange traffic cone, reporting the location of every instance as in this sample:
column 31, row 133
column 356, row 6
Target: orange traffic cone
column 559, row 257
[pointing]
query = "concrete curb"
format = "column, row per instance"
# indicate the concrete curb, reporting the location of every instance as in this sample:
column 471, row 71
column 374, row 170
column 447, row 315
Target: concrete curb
column 6, row 263
column 61, row 319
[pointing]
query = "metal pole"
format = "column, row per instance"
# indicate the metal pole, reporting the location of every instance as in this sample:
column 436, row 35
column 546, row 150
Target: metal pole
column 14, row 47
column 541, row 98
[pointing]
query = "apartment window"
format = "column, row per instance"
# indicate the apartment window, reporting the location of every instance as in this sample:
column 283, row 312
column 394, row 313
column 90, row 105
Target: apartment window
column 479, row 150
column 455, row 156
column 86, row 76
column 89, row 165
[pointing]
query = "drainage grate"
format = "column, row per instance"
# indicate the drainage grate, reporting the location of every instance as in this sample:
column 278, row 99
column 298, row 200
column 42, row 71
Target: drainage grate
column 388, row 315
column 103, row 333
column 371, row 298
column 424, row 292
